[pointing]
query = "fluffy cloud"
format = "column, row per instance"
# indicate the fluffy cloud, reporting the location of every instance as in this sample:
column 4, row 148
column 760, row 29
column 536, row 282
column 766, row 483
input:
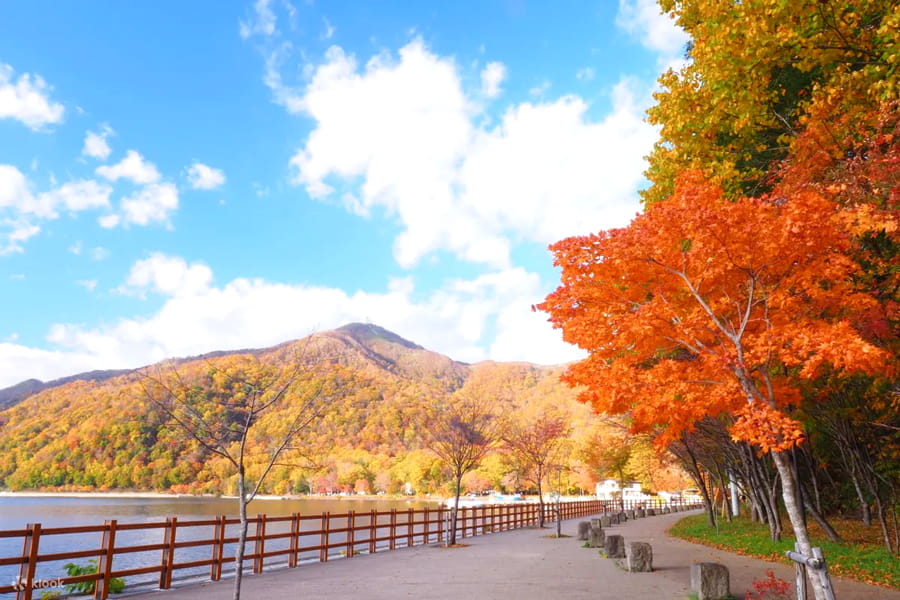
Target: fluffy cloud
column 655, row 30
column 197, row 317
column 407, row 130
column 132, row 167
column 167, row 275
column 20, row 208
column 152, row 203
column 262, row 22
column 95, row 144
column 202, row 177
column 26, row 99
column 491, row 78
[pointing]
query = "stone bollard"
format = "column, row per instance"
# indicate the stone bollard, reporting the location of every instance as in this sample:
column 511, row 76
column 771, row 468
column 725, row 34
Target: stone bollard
column 605, row 521
column 638, row 557
column 622, row 516
column 710, row 581
column 614, row 518
column 584, row 530
column 651, row 512
column 615, row 546
column 640, row 513
column 629, row 514
column 665, row 510
column 595, row 522
column 597, row 538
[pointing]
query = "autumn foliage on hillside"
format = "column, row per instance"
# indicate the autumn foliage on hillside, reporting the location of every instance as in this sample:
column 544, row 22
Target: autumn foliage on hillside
column 88, row 435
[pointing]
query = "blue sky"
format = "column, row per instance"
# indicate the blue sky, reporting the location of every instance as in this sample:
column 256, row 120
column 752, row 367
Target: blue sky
column 180, row 177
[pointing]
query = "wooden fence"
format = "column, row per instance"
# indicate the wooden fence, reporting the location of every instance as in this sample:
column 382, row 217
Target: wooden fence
column 272, row 541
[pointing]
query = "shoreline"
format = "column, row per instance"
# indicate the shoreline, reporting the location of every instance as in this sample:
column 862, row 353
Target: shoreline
column 173, row 496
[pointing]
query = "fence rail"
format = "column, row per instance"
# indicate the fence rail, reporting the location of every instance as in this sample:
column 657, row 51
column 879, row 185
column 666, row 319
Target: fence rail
column 275, row 540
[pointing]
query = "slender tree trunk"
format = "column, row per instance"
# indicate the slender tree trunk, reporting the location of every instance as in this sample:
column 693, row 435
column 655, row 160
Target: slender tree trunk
column 455, row 512
column 795, row 514
column 540, row 499
column 832, row 534
column 242, row 535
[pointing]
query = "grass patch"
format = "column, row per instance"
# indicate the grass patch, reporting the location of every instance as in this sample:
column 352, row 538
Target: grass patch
column 860, row 558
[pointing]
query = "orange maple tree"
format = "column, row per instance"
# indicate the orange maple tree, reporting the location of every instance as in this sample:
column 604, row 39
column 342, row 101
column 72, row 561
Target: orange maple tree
column 705, row 305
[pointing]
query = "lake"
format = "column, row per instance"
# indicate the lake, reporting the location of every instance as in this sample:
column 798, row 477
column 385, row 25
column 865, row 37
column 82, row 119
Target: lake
column 64, row 511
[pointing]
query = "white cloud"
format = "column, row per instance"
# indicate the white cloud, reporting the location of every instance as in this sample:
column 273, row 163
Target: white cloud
column 109, row 221
column 95, row 144
column 132, row 167
column 73, row 196
column 88, row 284
column 197, row 317
column 262, row 22
column 491, row 77
column 27, row 100
column 20, row 208
column 406, row 129
column 167, row 275
column 656, row 31
column 328, row 31
column 152, row 203
column 202, row 177
column 585, row 74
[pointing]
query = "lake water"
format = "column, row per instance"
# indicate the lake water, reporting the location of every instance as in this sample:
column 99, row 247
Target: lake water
column 59, row 511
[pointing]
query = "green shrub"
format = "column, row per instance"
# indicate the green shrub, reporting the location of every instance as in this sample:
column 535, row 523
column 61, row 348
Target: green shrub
column 116, row 584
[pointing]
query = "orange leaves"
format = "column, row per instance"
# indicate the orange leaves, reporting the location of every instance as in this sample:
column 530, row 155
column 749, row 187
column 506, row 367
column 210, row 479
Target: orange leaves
column 703, row 303
column 769, row 429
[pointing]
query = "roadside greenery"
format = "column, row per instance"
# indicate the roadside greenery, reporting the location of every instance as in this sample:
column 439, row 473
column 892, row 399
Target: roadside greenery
column 861, row 557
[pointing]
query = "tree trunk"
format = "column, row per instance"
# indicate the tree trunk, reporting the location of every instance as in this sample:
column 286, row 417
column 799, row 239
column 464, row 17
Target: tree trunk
column 540, row 500
column 451, row 538
column 242, row 536
column 832, row 534
column 795, row 514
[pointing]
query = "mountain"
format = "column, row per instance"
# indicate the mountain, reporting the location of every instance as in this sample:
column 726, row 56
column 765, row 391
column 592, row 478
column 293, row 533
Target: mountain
column 99, row 430
column 13, row 395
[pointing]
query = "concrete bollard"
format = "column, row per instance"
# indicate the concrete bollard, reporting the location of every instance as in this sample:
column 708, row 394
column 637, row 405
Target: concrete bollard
column 595, row 522
column 622, row 516
column 614, row 518
column 605, row 521
column 638, row 557
column 597, row 538
column 710, row 581
column 640, row 513
column 651, row 512
column 629, row 514
column 615, row 546
column 584, row 530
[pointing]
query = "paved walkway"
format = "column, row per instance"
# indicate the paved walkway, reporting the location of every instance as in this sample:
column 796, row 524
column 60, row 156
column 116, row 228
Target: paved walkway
column 524, row 564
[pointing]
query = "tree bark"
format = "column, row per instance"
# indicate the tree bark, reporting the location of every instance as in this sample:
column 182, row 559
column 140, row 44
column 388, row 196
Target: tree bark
column 242, row 536
column 451, row 538
column 795, row 514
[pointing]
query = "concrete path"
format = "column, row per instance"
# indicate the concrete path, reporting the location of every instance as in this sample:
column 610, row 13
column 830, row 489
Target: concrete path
column 525, row 564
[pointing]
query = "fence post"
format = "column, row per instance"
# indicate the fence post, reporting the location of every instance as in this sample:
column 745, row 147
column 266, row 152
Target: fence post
column 392, row 544
column 29, row 555
column 168, row 553
column 104, row 564
column 323, row 536
column 373, row 531
column 218, row 549
column 259, row 543
column 295, row 540
column 351, row 533
column 440, row 523
column 409, row 528
column 427, row 534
